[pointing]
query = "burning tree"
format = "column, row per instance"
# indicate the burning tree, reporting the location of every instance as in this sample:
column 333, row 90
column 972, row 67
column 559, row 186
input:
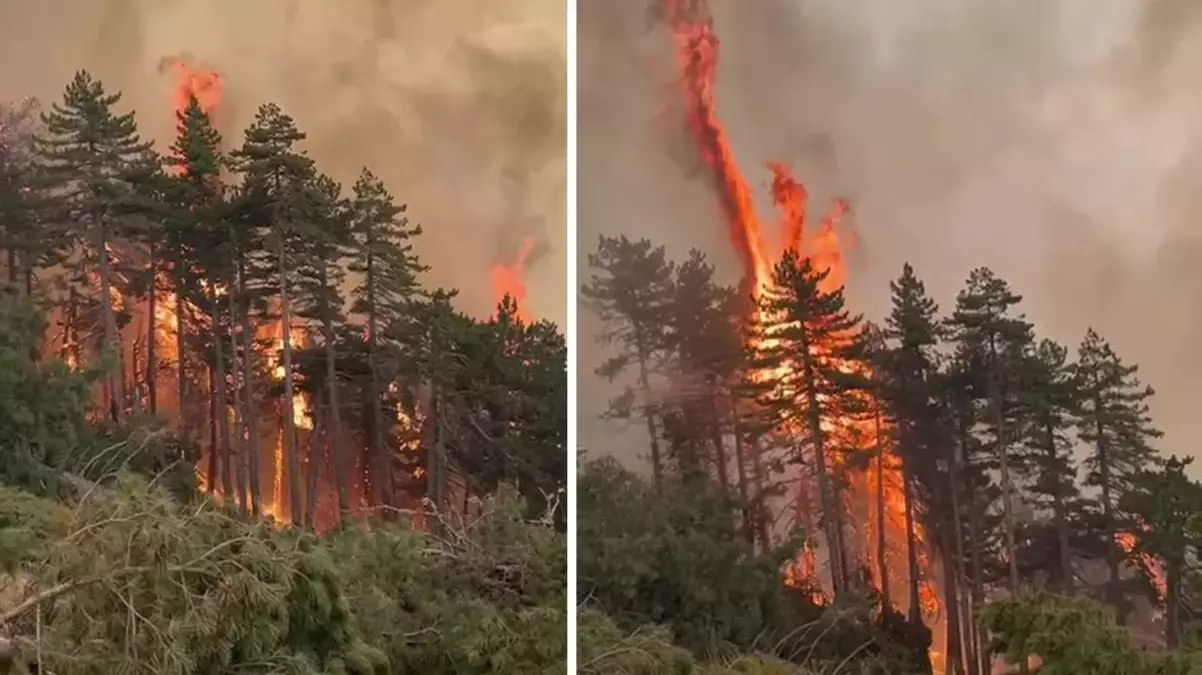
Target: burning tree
column 279, row 324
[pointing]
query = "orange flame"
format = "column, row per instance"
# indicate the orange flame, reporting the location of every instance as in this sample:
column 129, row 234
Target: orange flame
column 697, row 55
column 507, row 279
column 1127, row 541
column 205, row 84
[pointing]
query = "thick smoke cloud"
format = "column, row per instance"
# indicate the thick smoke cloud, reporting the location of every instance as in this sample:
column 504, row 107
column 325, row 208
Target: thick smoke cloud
column 457, row 104
column 1056, row 141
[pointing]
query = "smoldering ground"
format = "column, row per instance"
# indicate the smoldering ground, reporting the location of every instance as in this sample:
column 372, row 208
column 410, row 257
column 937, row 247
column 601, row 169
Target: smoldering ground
column 451, row 102
column 1056, row 141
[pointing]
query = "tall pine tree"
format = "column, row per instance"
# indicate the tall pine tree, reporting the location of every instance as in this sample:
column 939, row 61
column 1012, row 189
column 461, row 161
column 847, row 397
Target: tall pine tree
column 819, row 347
column 1113, row 422
column 89, row 150
column 631, row 291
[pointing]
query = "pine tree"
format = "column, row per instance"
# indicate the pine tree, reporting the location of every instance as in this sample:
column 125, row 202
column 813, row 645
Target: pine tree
column 28, row 238
column 275, row 178
column 319, row 274
column 991, row 341
column 1166, row 504
column 705, row 349
column 630, row 290
column 1113, row 421
column 88, row 151
column 1050, row 401
column 383, row 254
column 197, row 234
column 908, row 369
column 435, row 339
column 821, row 346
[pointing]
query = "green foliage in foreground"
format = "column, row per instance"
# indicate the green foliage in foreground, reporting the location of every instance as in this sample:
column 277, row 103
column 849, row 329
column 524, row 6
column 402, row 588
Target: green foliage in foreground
column 1075, row 636
column 669, row 584
column 131, row 581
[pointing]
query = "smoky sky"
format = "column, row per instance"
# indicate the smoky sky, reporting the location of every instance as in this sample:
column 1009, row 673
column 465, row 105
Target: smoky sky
column 1058, row 142
column 458, row 105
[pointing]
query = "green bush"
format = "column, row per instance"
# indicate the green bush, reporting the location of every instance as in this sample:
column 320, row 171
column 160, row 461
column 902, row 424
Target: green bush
column 132, row 581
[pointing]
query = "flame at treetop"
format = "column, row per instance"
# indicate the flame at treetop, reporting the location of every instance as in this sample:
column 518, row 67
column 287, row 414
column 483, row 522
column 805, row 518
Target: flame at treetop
column 206, row 86
column 507, row 279
column 203, row 83
column 697, row 53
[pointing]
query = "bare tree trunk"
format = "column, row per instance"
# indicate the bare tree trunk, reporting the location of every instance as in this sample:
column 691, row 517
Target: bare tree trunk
column 116, row 402
column 295, row 502
column 964, row 631
column 436, row 454
column 1172, row 604
column 831, row 510
column 382, row 480
column 181, row 357
column 316, row 438
column 248, row 384
column 337, row 456
column 954, row 662
column 1068, row 581
column 720, row 458
column 882, row 544
column 213, row 451
column 760, row 506
column 1114, row 559
column 1003, row 455
column 219, row 392
column 240, row 441
column 741, row 469
column 657, row 468
column 152, row 355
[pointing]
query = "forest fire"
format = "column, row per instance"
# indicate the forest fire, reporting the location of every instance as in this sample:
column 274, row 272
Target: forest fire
column 870, row 492
column 206, row 87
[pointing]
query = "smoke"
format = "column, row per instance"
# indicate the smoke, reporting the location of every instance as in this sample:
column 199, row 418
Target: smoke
column 1053, row 140
column 450, row 102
